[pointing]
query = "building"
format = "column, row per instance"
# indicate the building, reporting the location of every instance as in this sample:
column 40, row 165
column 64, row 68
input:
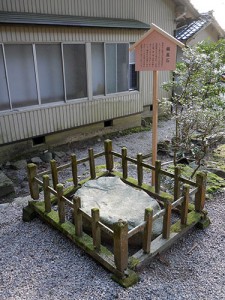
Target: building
column 66, row 72
column 193, row 27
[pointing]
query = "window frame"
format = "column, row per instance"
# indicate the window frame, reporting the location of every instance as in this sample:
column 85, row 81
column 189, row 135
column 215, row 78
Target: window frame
column 137, row 73
column 7, row 78
column 108, row 95
column 88, row 70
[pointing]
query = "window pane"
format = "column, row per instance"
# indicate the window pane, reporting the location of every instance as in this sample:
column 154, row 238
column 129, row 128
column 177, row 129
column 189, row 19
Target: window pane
column 122, row 67
column 75, row 71
column 98, row 69
column 134, row 75
column 21, row 75
column 133, row 82
column 49, row 63
column 132, row 57
column 4, row 97
column 111, row 68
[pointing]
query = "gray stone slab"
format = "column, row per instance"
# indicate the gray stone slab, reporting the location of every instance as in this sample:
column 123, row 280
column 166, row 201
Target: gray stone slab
column 22, row 201
column 19, row 165
column 117, row 200
column 6, row 185
column 36, row 160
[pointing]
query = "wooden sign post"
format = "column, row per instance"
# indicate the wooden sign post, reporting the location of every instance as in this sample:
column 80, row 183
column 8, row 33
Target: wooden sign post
column 154, row 120
column 155, row 51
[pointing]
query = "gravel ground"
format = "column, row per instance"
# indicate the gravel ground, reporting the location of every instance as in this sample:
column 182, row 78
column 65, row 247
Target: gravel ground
column 37, row 262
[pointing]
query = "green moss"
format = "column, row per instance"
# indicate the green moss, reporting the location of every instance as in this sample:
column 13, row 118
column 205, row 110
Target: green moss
column 38, row 204
column 186, row 171
column 86, row 241
column 204, row 223
column 133, row 262
column 176, row 227
column 192, row 218
column 130, row 279
column 68, row 191
column 213, row 183
column 54, row 216
column 191, row 206
column 104, row 251
column 219, row 164
column 100, row 168
column 145, row 187
column 219, row 152
column 69, row 180
column 162, row 194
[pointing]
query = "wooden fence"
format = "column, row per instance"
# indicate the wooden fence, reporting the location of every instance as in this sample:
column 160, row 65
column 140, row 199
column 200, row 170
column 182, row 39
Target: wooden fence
column 118, row 262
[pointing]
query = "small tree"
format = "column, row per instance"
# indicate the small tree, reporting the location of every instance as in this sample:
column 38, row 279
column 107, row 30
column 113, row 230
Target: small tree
column 198, row 107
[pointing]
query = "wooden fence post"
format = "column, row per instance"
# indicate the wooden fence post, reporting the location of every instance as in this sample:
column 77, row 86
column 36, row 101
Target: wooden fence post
column 108, row 155
column 96, row 231
column 184, row 205
column 74, row 169
column 177, row 172
column 200, row 195
column 47, row 198
column 77, row 216
column 139, row 169
column 54, row 173
column 167, row 220
column 124, row 162
column 157, row 176
column 33, row 185
column 147, row 230
column 61, row 203
column 121, row 245
column 91, row 163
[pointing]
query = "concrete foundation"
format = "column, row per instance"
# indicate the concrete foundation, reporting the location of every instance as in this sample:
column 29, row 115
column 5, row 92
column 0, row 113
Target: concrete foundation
column 164, row 109
column 35, row 145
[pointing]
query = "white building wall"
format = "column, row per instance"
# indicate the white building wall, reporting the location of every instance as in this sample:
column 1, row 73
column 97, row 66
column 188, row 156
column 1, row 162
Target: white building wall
column 208, row 33
column 16, row 126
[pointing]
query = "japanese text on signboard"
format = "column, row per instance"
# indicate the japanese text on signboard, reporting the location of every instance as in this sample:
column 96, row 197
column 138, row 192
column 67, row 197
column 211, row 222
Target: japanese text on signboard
column 154, row 55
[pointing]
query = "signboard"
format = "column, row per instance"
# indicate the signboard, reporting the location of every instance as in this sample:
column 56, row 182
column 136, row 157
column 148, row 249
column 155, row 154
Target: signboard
column 156, row 51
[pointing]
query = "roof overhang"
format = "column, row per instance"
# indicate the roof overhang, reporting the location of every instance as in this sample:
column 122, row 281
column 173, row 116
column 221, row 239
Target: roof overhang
column 162, row 32
column 69, row 20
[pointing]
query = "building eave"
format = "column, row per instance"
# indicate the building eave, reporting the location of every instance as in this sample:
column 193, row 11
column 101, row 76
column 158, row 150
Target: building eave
column 69, row 20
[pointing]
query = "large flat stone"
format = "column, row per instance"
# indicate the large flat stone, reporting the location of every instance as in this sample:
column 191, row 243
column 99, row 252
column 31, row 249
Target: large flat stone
column 19, row 165
column 117, row 200
column 6, row 185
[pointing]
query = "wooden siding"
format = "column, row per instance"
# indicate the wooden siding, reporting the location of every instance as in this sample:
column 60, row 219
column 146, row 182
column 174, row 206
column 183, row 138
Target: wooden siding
column 156, row 11
column 17, row 126
column 35, row 34
column 33, row 122
column 160, row 12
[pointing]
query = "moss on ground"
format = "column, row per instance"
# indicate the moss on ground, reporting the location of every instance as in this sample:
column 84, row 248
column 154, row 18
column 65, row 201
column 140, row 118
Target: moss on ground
column 219, row 153
column 214, row 182
column 133, row 262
